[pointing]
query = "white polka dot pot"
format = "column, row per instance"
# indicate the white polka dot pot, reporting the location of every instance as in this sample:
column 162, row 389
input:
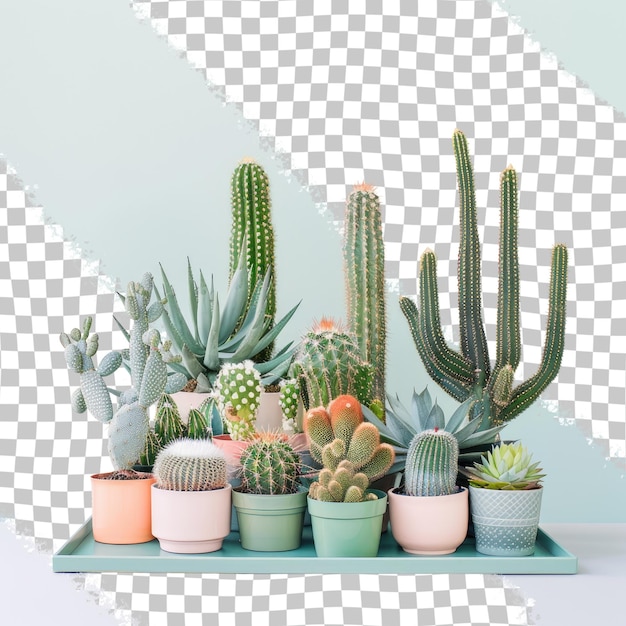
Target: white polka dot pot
column 505, row 522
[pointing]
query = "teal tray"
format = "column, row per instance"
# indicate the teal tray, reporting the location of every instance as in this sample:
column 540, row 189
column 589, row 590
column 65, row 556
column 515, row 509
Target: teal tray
column 82, row 554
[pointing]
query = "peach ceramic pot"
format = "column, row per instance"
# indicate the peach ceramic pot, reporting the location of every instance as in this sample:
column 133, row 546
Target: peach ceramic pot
column 232, row 449
column 191, row 522
column 269, row 416
column 429, row 525
column 121, row 510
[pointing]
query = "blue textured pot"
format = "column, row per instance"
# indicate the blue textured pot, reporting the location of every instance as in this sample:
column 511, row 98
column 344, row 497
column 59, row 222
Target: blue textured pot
column 505, row 522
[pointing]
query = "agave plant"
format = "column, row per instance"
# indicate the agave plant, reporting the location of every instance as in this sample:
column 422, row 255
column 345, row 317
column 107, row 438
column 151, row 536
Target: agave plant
column 505, row 467
column 401, row 425
column 236, row 332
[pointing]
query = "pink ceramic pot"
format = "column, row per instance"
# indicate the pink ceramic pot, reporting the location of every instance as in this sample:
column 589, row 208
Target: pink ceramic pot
column 429, row 525
column 190, row 522
column 232, row 449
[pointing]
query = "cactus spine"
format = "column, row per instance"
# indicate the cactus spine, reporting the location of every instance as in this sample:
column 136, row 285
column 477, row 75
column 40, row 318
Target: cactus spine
column 329, row 364
column 238, row 387
column 348, row 448
column 168, row 424
column 252, row 233
column 468, row 373
column 364, row 255
column 269, row 466
column 431, row 464
column 191, row 465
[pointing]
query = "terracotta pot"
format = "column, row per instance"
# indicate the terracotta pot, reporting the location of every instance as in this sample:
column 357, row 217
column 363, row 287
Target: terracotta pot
column 429, row 525
column 191, row 522
column 232, row 449
column 270, row 415
column 121, row 510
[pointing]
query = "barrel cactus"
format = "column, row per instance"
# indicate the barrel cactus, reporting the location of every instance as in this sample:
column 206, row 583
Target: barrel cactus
column 468, row 373
column 329, row 364
column 364, row 256
column 349, row 450
column 432, row 464
column 191, row 465
column 238, row 389
column 269, row 466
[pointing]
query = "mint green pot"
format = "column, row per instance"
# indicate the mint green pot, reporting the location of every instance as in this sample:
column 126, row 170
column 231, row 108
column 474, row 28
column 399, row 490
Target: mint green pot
column 270, row 523
column 348, row 529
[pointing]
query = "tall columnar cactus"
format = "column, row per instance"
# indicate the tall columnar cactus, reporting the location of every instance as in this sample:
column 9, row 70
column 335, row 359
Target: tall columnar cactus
column 289, row 404
column 168, row 424
column 348, row 448
column 238, row 388
column 329, row 364
column 431, row 464
column 469, row 373
column 191, row 465
column 269, row 466
column 147, row 357
column 252, row 233
column 364, row 255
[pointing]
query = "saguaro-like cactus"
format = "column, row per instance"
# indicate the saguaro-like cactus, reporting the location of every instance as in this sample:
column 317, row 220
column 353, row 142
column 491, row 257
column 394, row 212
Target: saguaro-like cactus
column 364, row 255
column 252, row 233
column 469, row 373
column 349, row 449
column 329, row 364
column 431, row 464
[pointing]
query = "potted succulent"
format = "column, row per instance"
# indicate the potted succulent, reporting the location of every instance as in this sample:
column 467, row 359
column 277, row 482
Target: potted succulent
column 430, row 516
column 346, row 516
column 121, row 507
column 505, row 501
column 469, row 372
column 270, row 503
column 191, row 499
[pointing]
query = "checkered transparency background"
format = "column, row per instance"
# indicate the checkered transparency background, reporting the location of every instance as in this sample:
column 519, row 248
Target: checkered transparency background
column 369, row 91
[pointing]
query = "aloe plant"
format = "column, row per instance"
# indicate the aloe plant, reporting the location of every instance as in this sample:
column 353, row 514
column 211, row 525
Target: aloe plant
column 239, row 330
column 468, row 373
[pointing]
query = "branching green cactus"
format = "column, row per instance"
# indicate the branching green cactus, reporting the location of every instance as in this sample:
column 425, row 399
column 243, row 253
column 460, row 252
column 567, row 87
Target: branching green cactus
column 191, row 465
column 238, row 389
column 252, row 233
column 232, row 333
column 432, row 464
column 147, row 356
column 269, row 466
column 348, row 448
column 329, row 364
column 468, row 373
column 364, row 256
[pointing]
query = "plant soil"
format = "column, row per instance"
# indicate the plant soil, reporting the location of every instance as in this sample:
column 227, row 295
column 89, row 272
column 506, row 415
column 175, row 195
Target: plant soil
column 123, row 475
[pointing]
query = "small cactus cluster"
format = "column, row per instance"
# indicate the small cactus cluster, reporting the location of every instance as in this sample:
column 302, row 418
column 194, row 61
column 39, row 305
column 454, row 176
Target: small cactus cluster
column 252, row 233
column 288, row 401
column 191, row 465
column 349, row 450
column 432, row 464
column 238, row 388
column 364, row 257
column 329, row 364
column 269, row 466
column 129, row 425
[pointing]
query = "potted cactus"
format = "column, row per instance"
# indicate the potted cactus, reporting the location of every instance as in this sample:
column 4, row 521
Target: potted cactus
column 469, row 373
column 270, row 503
column 430, row 516
column 121, row 506
column 191, row 499
column 340, row 501
column 505, row 501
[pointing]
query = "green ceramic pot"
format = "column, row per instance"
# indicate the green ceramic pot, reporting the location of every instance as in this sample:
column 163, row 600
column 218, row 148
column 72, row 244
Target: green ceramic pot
column 270, row 523
column 348, row 529
column 505, row 522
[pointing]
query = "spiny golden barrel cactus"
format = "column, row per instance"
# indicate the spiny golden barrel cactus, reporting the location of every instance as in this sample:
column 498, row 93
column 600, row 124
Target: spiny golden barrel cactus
column 348, row 448
column 469, row 373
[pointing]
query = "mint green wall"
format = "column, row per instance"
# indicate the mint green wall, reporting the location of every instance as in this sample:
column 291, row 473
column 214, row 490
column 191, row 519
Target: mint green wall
column 125, row 147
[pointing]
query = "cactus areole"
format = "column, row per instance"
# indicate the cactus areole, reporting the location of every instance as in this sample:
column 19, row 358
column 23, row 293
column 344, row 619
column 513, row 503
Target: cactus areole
column 469, row 373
